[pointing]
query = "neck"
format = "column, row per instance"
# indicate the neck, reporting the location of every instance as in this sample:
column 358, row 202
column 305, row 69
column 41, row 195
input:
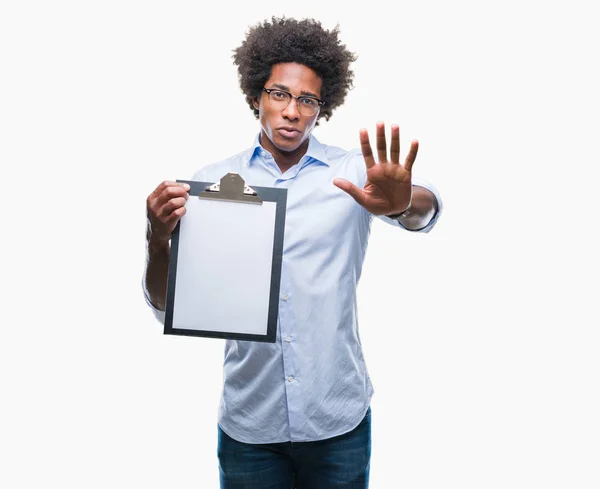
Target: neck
column 284, row 159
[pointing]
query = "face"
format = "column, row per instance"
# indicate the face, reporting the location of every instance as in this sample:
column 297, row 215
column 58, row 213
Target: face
column 287, row 130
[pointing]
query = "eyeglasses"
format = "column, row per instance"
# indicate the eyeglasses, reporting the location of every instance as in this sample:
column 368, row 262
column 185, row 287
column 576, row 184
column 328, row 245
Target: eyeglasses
column 280, row 99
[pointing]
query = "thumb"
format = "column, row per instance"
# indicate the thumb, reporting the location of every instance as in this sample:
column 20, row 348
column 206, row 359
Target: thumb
column 351, row 189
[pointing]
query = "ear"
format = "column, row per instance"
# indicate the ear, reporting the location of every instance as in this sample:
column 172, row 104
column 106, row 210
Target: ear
column 256, row 104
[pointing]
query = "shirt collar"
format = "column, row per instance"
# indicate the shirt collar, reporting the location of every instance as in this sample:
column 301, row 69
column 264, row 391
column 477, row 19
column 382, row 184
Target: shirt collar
column 315, row 151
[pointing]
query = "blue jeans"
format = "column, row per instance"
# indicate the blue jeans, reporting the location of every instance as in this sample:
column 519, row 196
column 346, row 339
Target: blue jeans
column 341, row 462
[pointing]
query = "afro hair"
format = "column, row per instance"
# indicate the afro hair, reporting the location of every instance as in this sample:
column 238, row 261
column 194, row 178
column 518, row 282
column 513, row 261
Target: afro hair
column 306, row 42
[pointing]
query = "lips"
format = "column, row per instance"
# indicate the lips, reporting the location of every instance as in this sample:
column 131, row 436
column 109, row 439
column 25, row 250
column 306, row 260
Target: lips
column 288, row 132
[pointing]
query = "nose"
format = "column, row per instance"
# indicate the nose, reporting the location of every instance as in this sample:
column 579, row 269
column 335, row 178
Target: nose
column 291, row 111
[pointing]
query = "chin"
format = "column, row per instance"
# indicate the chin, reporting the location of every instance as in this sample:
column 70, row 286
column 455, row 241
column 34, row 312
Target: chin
column 288, row 148
column 288, row 145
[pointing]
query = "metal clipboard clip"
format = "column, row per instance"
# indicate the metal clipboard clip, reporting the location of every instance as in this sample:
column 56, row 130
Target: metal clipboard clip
column 231, row 188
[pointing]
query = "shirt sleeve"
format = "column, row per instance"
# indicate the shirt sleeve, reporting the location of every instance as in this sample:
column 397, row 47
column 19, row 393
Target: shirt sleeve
column 420, row 183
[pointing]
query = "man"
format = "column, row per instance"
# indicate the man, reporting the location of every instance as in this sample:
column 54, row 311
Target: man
column 296, row 413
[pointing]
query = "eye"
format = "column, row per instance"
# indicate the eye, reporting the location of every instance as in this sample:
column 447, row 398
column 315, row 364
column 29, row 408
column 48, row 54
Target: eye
column 279, row 95
column 308, row 101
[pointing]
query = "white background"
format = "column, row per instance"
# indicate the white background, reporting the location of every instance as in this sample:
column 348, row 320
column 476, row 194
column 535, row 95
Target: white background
column 481, row 337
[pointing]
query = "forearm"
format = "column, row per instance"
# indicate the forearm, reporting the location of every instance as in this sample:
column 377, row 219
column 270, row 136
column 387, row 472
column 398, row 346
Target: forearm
column 423, row 207
column 157, row 271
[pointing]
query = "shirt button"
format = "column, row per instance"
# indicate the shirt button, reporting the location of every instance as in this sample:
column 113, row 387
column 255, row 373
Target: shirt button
column 288, row 339
column 290, row 379
column 285, row 297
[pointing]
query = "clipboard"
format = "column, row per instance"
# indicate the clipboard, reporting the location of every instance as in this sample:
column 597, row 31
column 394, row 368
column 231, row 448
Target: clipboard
column 225, row 262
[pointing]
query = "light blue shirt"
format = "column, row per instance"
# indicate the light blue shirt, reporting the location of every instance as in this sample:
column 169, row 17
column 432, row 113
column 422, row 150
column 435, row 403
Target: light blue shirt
column 312, row 383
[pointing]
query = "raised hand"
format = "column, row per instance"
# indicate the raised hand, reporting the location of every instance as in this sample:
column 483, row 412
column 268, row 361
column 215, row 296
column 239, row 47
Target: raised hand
column 388, row 188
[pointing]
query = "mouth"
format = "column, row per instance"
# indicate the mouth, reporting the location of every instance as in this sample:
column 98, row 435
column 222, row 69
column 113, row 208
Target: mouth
column 288, row 132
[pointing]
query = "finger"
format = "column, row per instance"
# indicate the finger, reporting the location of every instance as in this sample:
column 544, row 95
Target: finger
column 168, row 183
column 412, row 155
column 395, row 145
column 163, row 193
column 162, row 215
column 170, row 192
column 174, row 217
column 172, row 205
column 365, row 147
column 356, row 193
column 164, row 226
column 381, row 144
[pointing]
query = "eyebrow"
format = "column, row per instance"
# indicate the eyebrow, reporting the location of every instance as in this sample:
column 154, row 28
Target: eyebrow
column 303, row 92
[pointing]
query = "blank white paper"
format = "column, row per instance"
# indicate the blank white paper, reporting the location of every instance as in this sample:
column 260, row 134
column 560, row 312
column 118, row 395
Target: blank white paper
column 224, row 263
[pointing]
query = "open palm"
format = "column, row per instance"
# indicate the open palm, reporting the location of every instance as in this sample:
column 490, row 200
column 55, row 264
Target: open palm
column 388, row 188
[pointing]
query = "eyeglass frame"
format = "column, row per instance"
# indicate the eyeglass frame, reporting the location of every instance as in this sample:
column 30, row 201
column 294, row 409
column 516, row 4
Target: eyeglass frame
column 320, row 102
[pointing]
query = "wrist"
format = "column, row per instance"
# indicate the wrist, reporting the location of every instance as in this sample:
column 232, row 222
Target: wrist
column 157, row 245
column 155, row 240
column 400, row 215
